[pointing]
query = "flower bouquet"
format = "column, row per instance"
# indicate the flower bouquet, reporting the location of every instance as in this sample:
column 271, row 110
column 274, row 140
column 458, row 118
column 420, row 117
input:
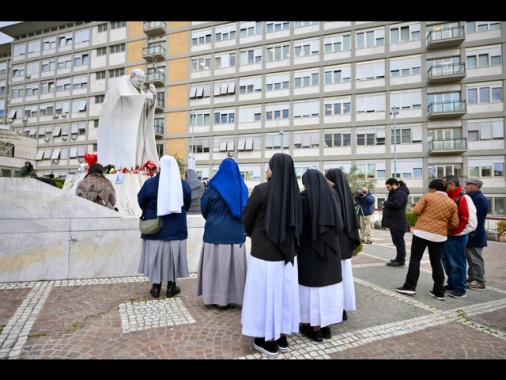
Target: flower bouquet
column 109, row 169
column 149, row 168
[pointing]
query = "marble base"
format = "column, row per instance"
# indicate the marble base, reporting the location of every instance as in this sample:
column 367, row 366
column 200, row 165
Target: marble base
column 48, row 233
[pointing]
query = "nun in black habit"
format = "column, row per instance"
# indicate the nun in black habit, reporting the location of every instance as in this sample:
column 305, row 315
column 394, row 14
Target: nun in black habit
column 349, row 236
column 272, row 218
column 319, row 258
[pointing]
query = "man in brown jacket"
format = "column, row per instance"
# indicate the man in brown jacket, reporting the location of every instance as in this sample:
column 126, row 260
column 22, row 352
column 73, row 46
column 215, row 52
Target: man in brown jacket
column 437, row 215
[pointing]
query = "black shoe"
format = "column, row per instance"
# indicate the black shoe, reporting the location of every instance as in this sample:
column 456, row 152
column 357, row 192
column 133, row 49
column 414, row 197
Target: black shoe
column 345, row 317
column 395, row 263
column 403, row 290
column 267, row 348
column 326, row 333
column 282, row 344
column 172, row 289
column 155, row 290
column 440, row 297
column 310, row 333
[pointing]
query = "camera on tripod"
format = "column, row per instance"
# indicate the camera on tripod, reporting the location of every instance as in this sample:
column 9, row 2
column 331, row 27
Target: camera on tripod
column 359, row 196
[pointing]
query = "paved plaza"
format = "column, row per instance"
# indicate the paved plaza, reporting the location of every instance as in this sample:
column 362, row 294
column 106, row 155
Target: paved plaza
column 116, row 318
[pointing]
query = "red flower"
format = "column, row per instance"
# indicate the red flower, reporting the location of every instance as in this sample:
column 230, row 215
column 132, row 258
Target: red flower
column 90, row 158
column 149, row 165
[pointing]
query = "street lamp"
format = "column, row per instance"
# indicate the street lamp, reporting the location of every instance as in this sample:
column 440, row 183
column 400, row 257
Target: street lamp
column 395, row 112
column 191, row 156
column 281, row 132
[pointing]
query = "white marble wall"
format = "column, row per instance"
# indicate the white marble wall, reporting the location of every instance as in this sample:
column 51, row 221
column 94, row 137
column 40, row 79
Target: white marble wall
column 48, row 233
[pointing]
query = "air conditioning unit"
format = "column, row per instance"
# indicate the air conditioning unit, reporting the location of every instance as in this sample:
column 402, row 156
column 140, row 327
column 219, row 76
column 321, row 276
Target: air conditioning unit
column 28, row 76
column 25, row 119
column 56, row 116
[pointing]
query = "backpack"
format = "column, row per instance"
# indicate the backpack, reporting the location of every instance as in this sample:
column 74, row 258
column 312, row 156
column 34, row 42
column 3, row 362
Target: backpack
column 92, row 195
column 472, row 223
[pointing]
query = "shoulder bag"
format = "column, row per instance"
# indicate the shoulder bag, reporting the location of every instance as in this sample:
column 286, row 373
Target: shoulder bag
column 149, row 226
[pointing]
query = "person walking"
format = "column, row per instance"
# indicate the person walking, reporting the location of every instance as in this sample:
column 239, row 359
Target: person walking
column 349, row 235
column 319, row 259
column 478, row 239
column 395, row 218
column 96, row 181
column 222, row 266
column 272, row 218
column 198, row 189
column 163, row 255
column 365, row 208
column 454, row 254
column 437, row 214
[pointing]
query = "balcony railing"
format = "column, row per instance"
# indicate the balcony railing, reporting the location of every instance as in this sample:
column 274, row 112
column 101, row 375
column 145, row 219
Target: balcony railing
column 447, row 146
column 159, row 131
column 153, row 28
column 446, row 109
column 154, row 53
column 446, row 73
column 160, row 104
column 446, row 37
column 157, row 78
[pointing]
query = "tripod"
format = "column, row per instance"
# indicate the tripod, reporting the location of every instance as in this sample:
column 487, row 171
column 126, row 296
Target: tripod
column 360, row 212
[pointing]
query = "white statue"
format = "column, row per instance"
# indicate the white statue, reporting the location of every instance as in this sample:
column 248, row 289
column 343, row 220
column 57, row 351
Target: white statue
column 126, row 135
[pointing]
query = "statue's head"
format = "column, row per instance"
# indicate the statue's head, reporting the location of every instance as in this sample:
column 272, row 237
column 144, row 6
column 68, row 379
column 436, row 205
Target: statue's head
column 137, row 77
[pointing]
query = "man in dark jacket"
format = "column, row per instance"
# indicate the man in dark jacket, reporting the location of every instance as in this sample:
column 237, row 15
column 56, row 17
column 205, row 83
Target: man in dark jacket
column 395, row 218
column 478, row 238
column 365, row 205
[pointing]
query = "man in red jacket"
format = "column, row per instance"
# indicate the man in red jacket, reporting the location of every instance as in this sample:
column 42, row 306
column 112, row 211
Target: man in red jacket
column 454, row 255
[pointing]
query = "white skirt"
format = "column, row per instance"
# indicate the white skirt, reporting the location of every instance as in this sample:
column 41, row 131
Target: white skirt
column 348, row 286
column 221, row 274
column 163, row 260
column 271, row 299
column 321, row 306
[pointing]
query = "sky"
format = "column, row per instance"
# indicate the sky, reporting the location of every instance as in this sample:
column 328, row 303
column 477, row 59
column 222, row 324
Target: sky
column 4, row 38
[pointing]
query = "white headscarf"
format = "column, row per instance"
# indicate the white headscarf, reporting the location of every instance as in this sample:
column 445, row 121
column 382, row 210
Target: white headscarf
column 170, row 189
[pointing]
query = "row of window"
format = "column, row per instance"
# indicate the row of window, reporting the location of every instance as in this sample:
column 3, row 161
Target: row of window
column 65, row 39
column 484, row 130
column 476, row 57
column 364, row 103
column 399, row 33
column 63, row 62
column 77, row 82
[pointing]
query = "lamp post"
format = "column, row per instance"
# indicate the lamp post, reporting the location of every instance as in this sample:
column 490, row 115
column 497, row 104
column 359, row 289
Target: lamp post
column 191, row 157
column 281, row 132
column 395, row 112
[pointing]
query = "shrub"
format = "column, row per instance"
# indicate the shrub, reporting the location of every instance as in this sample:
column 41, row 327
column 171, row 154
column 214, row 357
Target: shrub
column 501, row 226
column 411, row 218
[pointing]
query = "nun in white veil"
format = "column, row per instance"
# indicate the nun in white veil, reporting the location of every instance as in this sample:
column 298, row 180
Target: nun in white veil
column 164, row 254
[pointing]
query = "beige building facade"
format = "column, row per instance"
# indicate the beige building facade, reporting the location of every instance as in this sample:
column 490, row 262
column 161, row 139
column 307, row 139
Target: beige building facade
column 414, row 100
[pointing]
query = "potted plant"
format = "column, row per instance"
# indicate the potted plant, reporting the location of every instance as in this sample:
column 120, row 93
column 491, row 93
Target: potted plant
column 501, row 230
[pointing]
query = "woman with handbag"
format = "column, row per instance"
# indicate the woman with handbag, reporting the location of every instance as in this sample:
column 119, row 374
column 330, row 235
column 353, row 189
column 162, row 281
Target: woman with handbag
column 163, row 254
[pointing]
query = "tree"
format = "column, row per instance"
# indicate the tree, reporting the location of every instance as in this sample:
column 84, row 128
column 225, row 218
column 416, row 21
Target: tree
column 357, row 180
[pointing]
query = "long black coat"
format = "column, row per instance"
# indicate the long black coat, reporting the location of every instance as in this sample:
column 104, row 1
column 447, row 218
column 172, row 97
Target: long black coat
column 394, row 210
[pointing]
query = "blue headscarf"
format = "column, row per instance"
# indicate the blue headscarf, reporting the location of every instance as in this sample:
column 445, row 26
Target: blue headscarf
column 230, row 184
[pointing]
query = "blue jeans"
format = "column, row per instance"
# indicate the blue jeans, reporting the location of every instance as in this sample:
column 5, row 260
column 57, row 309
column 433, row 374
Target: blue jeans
column 454, row 262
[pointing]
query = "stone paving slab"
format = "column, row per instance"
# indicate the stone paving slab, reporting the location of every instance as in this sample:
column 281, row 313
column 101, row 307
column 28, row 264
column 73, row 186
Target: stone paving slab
column 116, row 318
